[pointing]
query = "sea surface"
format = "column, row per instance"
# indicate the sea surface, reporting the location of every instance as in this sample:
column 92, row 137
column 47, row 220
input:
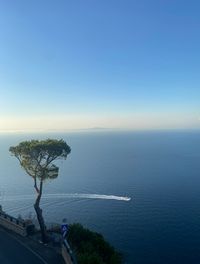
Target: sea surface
column 141, row 190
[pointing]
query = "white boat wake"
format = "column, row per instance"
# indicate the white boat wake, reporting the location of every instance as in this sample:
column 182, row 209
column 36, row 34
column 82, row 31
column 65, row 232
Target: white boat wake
column 67, row 195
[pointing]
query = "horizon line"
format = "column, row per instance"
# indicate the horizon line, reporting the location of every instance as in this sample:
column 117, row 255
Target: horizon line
column 93, row 129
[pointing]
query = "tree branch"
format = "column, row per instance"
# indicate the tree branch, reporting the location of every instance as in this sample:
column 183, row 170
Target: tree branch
column 35, row 185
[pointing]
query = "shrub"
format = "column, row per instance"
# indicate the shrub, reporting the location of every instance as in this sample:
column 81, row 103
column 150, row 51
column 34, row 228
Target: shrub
column 90, row 247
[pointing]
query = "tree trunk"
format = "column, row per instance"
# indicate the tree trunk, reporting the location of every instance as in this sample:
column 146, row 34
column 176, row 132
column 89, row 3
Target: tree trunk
column 40, row 218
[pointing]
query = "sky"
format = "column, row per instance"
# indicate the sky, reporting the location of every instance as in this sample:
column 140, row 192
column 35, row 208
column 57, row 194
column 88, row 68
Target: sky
column 118, row 64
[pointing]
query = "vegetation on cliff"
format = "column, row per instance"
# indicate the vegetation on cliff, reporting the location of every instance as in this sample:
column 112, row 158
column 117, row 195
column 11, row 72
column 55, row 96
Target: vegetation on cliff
column 90, row 247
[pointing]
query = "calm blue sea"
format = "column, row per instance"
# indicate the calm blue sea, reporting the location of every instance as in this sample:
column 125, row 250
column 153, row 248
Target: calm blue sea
column 160, row 171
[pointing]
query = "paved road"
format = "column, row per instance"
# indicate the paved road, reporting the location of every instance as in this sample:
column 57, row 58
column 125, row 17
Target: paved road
column 13, row 252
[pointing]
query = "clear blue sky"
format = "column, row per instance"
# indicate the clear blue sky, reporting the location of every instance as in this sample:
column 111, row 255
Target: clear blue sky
column 110, row 63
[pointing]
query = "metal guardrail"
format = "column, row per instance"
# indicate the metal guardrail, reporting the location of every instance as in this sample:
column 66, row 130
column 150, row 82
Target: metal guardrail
column 69, row 251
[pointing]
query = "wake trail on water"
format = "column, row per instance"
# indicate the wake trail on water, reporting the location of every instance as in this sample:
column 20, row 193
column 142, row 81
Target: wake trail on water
column 68, row 196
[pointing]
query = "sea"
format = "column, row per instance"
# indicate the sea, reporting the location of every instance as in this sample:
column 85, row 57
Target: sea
column 141, row 190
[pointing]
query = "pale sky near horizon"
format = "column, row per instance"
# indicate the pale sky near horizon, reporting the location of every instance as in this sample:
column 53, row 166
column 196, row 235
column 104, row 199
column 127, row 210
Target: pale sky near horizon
column 106, row 63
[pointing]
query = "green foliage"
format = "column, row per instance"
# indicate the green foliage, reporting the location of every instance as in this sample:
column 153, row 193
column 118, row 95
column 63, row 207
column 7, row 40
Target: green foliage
column 91, row 248
column 36, row 156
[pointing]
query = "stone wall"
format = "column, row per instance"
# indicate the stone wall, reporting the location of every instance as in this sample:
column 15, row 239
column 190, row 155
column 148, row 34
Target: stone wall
column 17, row 225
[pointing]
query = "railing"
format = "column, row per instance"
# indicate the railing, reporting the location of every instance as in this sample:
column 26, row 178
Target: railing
column 13, row 219
column 67, row 253
column 22, row 227
column 19, row 226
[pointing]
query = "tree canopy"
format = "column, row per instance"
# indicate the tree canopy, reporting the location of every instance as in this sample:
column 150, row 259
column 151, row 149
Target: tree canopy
column 36, row 156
